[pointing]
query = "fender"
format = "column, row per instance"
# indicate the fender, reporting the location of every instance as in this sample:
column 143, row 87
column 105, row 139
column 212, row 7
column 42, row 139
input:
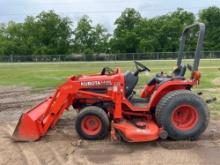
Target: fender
column 166, row 87
column 147, row 91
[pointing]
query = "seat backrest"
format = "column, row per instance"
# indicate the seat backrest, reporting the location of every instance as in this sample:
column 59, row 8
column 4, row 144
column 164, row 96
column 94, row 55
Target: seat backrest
column 130, row 83
column 180, row 71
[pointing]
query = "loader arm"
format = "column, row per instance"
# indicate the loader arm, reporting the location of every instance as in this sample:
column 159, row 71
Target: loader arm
column 35, row 123
column 62, row 99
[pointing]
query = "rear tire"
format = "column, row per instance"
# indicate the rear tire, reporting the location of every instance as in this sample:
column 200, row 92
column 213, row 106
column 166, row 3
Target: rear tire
column 92, row 123
column 182, row 114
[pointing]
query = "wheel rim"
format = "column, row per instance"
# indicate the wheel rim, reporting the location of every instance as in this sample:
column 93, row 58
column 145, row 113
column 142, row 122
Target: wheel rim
column 184, row 117
column 91, row 125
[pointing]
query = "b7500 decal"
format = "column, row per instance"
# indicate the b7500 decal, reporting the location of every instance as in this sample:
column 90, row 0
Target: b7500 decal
column 96, row 83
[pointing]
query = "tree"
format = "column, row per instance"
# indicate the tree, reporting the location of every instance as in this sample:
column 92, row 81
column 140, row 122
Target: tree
column 89, row 39
column 11, row 37
column 125, row 39
column 136, row 34
column 31, row 36
column 53, row 33
column 47, row 33
column 211, row 18
column 149, row 34
column 100, row 39
column 83, row 36
column 162, row 33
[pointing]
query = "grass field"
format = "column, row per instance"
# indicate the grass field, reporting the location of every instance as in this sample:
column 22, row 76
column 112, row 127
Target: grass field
column 49, row 75
column 41, row 75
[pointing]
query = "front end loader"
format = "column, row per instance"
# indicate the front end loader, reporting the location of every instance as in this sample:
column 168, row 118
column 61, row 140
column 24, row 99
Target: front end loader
column 106, row 103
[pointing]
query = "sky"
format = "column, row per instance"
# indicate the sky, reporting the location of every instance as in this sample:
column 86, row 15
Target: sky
column 100, row 11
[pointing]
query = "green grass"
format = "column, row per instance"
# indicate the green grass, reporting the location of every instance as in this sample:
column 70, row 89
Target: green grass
column 43, row 75
column 49, row 75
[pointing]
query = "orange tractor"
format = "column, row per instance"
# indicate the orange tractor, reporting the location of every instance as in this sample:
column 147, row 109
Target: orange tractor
column 106, row 103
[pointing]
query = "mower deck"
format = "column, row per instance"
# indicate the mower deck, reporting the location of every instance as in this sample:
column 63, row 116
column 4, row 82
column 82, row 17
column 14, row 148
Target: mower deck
column 135, row 132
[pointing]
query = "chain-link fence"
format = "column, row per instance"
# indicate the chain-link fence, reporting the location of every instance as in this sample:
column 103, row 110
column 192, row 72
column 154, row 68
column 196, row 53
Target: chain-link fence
column 105, row 57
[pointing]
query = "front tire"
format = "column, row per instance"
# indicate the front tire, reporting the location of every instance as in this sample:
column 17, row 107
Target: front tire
column 182, row 114
column 92, row 123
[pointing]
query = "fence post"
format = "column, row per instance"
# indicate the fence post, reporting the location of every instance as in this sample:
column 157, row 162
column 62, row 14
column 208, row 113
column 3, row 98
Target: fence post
column 115, row 59
column 11, row 58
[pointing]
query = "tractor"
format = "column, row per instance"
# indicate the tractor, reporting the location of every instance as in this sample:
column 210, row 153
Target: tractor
column 106, row 104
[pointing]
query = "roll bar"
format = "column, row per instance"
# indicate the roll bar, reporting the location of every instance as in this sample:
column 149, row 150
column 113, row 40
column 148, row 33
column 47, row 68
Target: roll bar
column 198, row 47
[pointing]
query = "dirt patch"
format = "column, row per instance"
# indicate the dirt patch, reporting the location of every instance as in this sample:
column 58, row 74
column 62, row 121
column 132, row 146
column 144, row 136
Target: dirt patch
column 62, row 145
column 216, row 81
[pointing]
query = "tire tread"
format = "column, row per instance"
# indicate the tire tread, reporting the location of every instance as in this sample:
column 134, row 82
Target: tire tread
column 175, row 95
column 95, row 111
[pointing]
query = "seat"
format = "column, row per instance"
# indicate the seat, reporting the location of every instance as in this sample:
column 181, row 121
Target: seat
column 158, row 80
column 130, row 83
column 178, row 73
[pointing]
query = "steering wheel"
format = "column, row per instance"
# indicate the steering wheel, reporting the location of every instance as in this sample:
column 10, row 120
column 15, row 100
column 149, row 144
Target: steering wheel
column 107, row 70
column 140, row 67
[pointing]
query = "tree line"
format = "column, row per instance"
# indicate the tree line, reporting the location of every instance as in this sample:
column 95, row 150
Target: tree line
column 50, row 34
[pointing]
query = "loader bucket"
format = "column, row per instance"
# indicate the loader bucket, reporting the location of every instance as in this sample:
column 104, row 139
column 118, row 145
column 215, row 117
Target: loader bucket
column 30, row 125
